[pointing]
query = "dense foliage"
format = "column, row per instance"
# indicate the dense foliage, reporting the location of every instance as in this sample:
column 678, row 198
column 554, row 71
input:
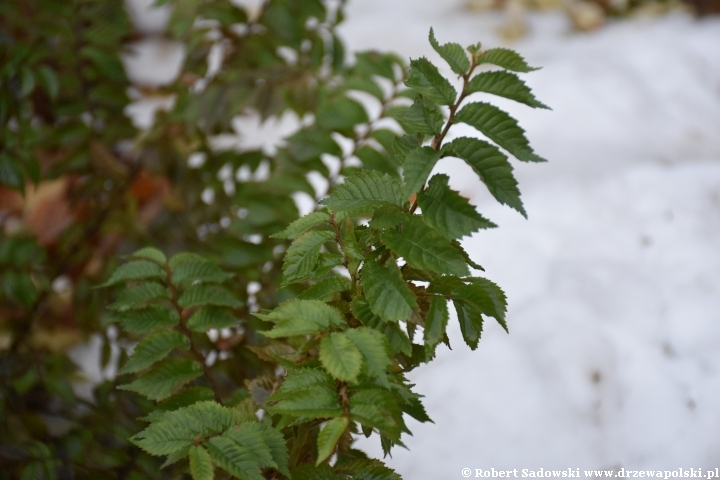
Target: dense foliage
column 266, row 349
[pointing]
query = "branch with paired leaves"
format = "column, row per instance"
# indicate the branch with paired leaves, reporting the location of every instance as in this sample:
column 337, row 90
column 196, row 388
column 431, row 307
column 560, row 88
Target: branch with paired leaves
column 376, row 304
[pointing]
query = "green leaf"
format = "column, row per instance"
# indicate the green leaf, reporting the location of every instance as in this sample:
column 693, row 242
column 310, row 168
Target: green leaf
column 418, row 165
column 402, row 146
column 302, row 225
column 37, row 449
column 452, row 53
column 11, row 175
column 106, row 62
column 376, row 63
column 154, row 348
column 487, row 297
column 32, row 168
column 364, row 84
column 326, row 289
column 377, row 408
column 138, row 270
column 138, row 296
column 183, row 257
column 311, row 143
column 187, row 397
column 387, row 216
column 33, row 471
column 300, row 380
column 165, row 379
column 384, row 137
column 227, row 14
column 499, row 127
column 198, row 270
column 211, row 317
column 376, row 160
column 302, row 256
column 435, row 322
column 371, row 344
column 492, row 167
column 234, row 459
column 424, row 248
column 49, row 81
column 387, row 293
column 250, row 435
column 362, row 311
column 351, row 248
column 19, row 287
column 175, row 457
column 425, row 79
column 202, row 294
column 301, row 317
column 284, row 184
column 342, row 113
column 448, row 212
column 150, row 253
column 178, row 429
column 340, row 357
column 27, row 82
column 504, row 84
column 422, row 116
column 147, row 319
column 458, row 246
column 365, row 189
column 278, row 448
column 398, row 340
column 366, row 469
column 326, row 262
column 328, row 438
column 506, row 58
column 443, row 284
column 415, row 409
column 239, row 255
column 201, row 466
column 306, row 392
column 471, row 323
column 309, row 471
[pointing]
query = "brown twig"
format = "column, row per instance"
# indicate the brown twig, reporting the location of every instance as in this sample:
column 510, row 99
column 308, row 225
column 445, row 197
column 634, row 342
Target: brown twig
column 439, row 137
column 182, row 328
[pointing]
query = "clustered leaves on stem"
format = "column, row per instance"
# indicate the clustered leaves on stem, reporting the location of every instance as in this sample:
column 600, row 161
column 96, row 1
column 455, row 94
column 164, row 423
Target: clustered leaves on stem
column 373, row 301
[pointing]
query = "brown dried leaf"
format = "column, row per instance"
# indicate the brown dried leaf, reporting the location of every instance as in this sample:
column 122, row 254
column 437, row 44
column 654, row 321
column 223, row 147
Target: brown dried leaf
column 47, row 211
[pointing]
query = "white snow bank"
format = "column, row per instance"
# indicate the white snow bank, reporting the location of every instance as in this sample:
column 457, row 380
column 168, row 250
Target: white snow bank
column 614, row 282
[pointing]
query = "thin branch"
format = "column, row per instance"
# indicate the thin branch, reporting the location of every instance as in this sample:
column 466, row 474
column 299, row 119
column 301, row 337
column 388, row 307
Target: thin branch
column 182, row 328
column 438, row 138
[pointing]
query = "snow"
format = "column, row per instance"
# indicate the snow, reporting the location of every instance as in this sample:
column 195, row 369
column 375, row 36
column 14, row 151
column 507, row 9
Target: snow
column 613, row 359
column 613, row 356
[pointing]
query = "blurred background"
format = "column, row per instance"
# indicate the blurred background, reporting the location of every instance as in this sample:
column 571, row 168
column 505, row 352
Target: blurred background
column 613, row 283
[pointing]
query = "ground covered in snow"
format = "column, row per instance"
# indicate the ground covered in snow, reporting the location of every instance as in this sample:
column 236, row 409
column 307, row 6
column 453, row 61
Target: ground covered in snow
column 613, row 357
